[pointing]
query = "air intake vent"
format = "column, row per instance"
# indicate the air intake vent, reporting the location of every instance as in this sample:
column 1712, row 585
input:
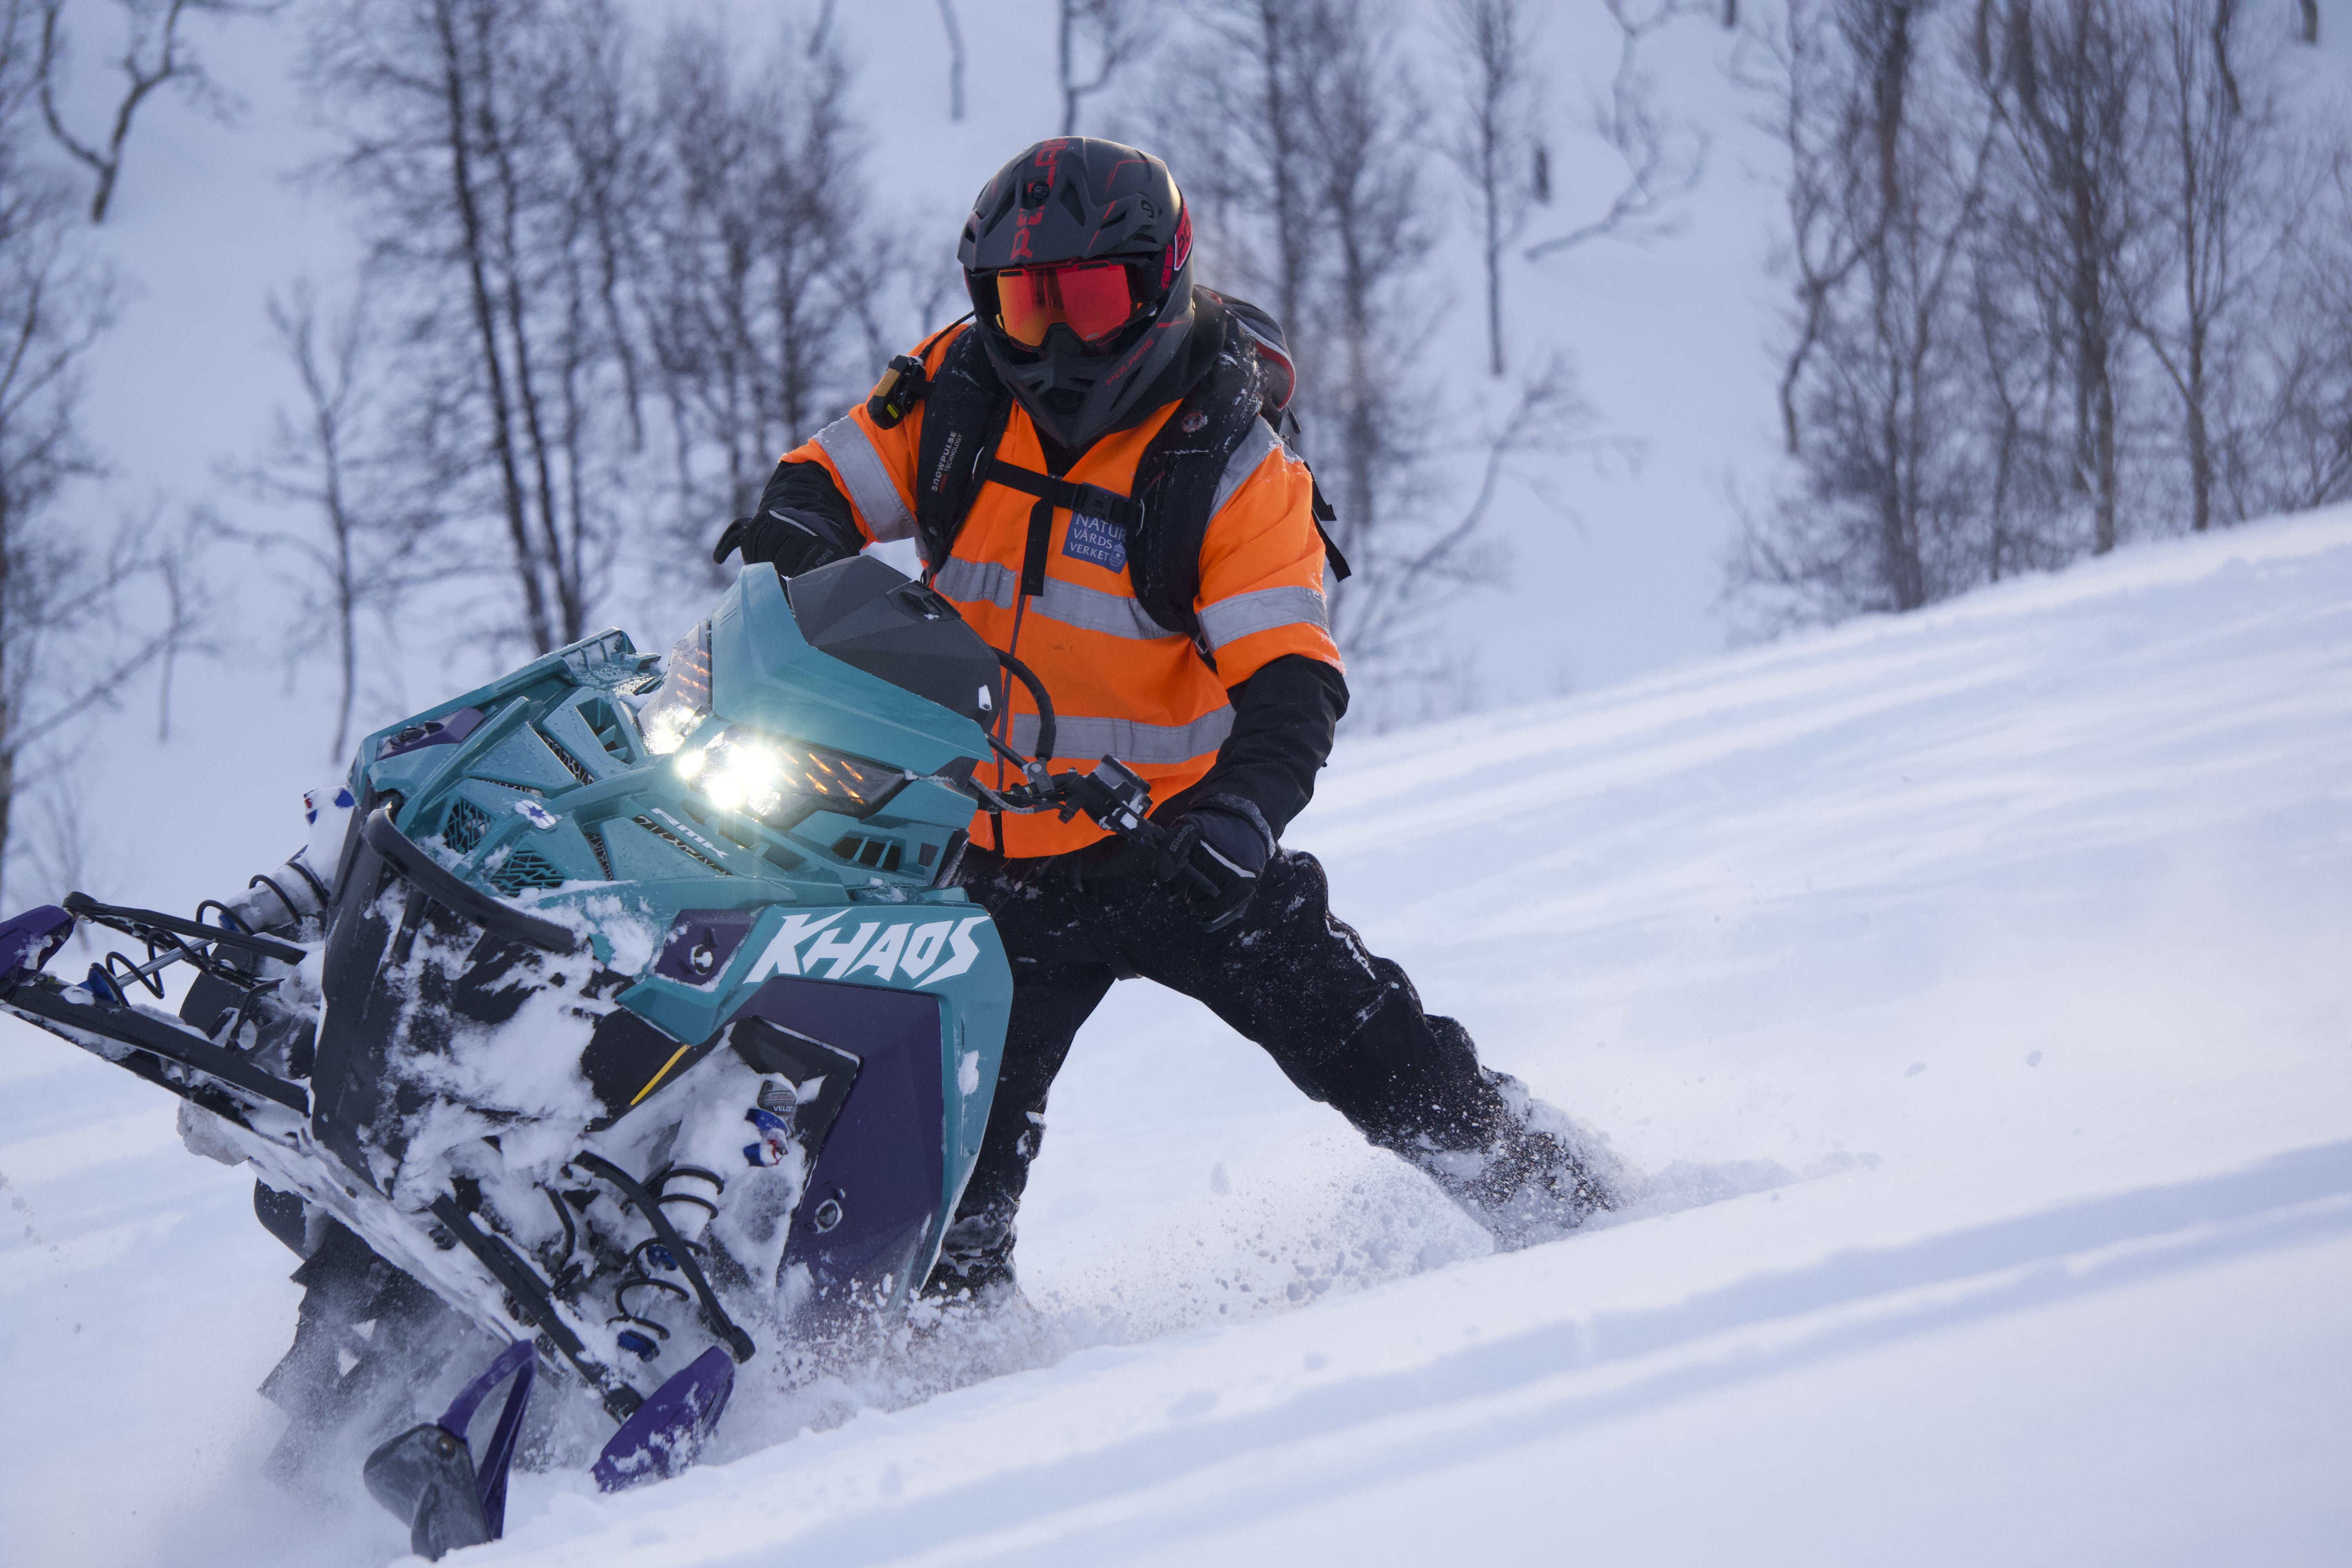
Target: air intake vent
column 680, row 845
column 570, row 763
column 607, row 723
column 878, row 854
column 464, row 827
column 523, row 869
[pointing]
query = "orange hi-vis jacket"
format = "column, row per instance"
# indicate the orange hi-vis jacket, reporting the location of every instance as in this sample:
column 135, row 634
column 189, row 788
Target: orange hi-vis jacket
column 1122, row 685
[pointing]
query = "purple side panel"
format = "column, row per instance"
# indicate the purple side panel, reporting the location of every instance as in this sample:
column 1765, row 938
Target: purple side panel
column 670, row 1427
column 882, row 1163
column 720, row 930
column 27, row 940
column 446, row 732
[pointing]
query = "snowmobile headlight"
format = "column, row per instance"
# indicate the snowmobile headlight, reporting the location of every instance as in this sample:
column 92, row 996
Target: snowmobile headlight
column 771, row 776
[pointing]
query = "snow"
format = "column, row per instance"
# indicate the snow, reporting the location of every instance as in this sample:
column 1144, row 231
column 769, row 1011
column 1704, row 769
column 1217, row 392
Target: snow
column 1971, row 985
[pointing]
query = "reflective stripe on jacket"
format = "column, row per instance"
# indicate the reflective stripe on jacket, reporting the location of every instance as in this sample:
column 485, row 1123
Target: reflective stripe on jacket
column 1122, row 685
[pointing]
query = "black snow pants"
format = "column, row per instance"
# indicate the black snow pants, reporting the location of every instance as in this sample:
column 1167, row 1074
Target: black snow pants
column 1345, row 1026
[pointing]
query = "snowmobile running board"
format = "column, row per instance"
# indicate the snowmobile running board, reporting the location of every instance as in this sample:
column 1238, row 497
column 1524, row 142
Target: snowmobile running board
column 134, row 1028
column 32, row 937
column 148, row 925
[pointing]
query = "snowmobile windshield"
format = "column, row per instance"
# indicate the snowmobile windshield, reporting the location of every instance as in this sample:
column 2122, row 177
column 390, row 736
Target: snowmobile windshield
column 683, row 699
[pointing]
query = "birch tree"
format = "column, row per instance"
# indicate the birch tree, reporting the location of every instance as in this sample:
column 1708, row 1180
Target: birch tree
column 479, row 137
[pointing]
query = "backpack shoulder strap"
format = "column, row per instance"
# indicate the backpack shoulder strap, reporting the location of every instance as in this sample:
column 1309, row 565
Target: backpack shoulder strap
column 1177, row 478
column 964, row 411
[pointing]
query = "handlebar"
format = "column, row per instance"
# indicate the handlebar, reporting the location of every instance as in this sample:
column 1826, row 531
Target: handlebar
column 1113, row 796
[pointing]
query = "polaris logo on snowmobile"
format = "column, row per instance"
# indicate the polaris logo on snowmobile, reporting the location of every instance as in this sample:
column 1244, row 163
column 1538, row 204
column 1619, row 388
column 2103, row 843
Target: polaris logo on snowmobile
column 904, row 948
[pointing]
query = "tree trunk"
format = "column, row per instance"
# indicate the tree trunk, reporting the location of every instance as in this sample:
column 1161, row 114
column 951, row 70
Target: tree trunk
column 2103, row 415
column 1069, row 83
column 552, row 559
column 485, row 311
column 1494, row 270
column 1283, row 155
column 2200, row 456
column 7, row 795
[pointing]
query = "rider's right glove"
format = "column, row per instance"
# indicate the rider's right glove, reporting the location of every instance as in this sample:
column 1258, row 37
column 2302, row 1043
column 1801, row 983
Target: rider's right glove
column 1224, row 841
column 787, row 540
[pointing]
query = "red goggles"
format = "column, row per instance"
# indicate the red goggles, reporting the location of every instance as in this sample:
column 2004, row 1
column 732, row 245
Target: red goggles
column 1093, row 299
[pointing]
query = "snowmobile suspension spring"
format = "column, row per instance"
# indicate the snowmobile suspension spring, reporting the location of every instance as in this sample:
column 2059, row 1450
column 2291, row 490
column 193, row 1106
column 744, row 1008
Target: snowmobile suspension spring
column 660, row 1187
column 653, row 1253
column 638, row 1278
column 650, row 1203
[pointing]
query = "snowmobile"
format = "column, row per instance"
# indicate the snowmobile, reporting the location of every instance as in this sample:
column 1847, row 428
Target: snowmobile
column 635, row 1003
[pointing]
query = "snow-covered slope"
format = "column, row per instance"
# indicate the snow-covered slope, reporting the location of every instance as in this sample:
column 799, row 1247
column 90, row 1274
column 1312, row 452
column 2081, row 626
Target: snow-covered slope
column 1974, row 985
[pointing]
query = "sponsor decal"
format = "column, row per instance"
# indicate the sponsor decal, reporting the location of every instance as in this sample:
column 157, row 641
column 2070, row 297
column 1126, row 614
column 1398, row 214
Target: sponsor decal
column 1096, row 540
column 685, row 832
column 897, row 952
column 946, row 460
column 538, row 816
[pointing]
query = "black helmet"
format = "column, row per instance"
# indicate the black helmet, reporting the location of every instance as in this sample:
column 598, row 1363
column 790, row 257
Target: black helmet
column 1080, row 257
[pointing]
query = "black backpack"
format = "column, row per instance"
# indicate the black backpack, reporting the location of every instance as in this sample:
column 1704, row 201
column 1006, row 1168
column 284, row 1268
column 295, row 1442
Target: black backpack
column 1165, row 519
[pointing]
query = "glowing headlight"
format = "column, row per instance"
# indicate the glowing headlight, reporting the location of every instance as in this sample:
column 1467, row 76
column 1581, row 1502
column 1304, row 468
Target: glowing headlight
column 769, row 777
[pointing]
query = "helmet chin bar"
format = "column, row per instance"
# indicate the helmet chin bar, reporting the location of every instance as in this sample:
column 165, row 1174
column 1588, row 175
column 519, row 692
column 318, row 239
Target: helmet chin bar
column 1107, row 381
column 1055, row 380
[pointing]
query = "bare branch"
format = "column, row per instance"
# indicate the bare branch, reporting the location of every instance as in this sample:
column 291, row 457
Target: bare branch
column 154, row 55
column 62, row 644
column 764, row 288
column 1496, row 138
column 1117, row 31
column 1664, row 157
column 955, row 60
column 371, row 537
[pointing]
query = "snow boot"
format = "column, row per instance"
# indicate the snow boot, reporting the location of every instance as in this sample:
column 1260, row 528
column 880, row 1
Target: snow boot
column 975, row 1266
column 1531, row 1175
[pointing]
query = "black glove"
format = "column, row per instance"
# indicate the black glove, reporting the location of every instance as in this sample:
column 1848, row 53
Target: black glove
column 1224, row 841
column 787, row 540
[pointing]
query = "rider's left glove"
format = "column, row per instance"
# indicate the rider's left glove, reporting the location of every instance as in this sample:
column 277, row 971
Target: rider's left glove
column 790, row 543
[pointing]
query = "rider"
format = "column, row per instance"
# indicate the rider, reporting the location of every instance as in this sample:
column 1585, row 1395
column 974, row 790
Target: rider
column 1077, row 256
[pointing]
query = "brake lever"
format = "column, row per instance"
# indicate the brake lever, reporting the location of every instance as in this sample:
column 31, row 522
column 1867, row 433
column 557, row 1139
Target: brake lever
column 1116, row 800
column 1114, row 797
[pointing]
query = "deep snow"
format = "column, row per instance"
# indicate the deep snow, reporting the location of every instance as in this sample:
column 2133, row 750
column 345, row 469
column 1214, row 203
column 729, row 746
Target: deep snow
column 1986, row 967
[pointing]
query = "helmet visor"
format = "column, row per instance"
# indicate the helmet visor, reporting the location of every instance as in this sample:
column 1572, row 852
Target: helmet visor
column 1092, row 299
